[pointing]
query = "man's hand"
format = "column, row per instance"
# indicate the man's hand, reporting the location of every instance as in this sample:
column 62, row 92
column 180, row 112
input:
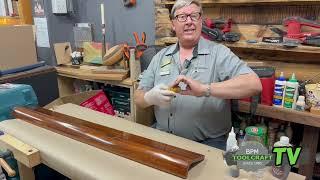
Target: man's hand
column 194, row 88
column 159, row 95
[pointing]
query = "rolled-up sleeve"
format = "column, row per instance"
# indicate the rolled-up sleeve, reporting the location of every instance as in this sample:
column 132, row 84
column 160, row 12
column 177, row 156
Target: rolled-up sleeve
column 230, row 65
column 148, row 76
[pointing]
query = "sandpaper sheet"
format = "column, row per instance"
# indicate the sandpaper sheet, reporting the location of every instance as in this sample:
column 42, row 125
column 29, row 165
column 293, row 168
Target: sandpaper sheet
column 81, row 161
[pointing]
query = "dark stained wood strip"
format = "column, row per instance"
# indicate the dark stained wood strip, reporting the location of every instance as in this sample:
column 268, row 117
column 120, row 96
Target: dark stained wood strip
column 158, row 155
column 26, row 74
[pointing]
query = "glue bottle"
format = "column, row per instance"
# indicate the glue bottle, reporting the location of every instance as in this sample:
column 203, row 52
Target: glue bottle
column 291, row 93
column 279, row 88
column 232, row 146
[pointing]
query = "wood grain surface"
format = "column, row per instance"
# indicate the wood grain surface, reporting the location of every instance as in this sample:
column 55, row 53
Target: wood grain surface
column 158, row 155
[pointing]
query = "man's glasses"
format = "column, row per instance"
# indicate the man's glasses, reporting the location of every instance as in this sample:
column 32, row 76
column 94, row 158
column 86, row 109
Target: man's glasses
column 183, row 17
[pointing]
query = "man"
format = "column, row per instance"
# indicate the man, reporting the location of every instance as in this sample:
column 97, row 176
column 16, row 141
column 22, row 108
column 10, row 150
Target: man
column 212, row 74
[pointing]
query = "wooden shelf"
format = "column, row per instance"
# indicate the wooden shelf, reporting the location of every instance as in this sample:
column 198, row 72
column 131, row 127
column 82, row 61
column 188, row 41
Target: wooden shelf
column 259, row 45
column 208, row 3
column 284, row 114
column 87, row 75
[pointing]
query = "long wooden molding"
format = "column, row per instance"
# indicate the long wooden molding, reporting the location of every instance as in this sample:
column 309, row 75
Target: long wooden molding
column 158, row 155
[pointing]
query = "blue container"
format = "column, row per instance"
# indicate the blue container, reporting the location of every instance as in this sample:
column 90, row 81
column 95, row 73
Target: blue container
column 12, row 95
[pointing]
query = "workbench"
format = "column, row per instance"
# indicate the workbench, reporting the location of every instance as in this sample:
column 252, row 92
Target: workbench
column 77, row 160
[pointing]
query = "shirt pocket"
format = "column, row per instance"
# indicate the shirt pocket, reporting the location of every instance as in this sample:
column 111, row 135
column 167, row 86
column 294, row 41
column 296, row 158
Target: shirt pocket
column 201, row 73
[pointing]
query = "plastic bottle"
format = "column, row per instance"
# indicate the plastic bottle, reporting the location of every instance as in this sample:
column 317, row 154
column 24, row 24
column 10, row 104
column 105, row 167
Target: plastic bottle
column 232, row 146
column 279, row 88
column 282, row 172
column 231, row 141
column 300, row 105
column 291, row 93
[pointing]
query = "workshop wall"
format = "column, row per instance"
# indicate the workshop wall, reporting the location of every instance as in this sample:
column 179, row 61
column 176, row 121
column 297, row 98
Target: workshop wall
column 120, row 23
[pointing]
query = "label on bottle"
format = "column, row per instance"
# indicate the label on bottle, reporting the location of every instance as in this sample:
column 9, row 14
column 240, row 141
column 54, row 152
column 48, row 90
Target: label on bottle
column 289, row 97
column 278, row 94
column 299, row 108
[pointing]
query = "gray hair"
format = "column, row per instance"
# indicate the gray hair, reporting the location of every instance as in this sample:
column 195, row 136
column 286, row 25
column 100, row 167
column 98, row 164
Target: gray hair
column 182, row 3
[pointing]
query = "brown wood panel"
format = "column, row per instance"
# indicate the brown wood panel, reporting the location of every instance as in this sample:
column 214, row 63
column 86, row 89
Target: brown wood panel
column 284, row 114
column 158, row 155
column 309, row 145
column 25, row 74
column 87, row 74
column 302, row 71
column 271, row 55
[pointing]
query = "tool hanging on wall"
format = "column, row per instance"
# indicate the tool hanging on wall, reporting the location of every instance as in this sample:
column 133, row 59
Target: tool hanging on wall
column 129, row 3
column 140, row 46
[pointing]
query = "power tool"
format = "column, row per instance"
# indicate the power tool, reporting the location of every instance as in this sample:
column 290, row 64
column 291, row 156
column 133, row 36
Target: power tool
column 294, row 35
column 218, row 30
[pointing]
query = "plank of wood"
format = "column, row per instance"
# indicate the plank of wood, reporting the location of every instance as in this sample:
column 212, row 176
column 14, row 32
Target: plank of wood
column 25, row 172
column 302, row 71
column 271, row 55
column 26, row 74
column 310, row 145
column 24, row 153
column 265, row 51
column 170, row 159
column 107, row 70
column 261, row 14
column 284, row 114
column 87, row 75
column 274, row 47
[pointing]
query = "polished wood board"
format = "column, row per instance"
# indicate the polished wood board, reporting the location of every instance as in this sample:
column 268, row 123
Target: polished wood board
column 158, row 155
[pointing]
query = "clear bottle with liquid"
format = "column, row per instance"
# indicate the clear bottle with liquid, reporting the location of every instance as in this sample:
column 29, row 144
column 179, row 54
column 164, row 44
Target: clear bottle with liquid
column 300, row 105
column 281, row 172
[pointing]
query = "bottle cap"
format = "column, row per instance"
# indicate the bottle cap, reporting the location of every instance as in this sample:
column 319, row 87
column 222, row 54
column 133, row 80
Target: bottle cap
column 281, row 77
column 284, row 140
column 231, row 133
column 293, row 78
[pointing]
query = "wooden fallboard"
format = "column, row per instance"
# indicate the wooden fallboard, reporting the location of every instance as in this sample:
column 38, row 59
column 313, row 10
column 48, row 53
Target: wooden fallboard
column 158, row 155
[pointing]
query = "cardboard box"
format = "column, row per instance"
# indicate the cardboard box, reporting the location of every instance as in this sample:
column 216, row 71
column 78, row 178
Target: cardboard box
column 17, row 47
column 77, row 99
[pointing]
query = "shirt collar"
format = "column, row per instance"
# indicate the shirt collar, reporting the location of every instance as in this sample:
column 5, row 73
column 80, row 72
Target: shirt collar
column 200, row 49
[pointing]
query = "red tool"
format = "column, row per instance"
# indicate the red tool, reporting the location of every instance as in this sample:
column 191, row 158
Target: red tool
column 294, row 34
column 224, row 26
column 140, row 45
column 218, row 30
column 129, row 3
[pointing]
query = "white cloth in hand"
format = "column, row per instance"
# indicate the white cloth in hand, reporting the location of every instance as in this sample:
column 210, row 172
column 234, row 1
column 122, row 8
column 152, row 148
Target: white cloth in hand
column 159, row 95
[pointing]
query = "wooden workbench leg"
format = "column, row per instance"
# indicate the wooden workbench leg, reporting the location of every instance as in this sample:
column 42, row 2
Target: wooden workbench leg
column 25, row 172
column 309, row 144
